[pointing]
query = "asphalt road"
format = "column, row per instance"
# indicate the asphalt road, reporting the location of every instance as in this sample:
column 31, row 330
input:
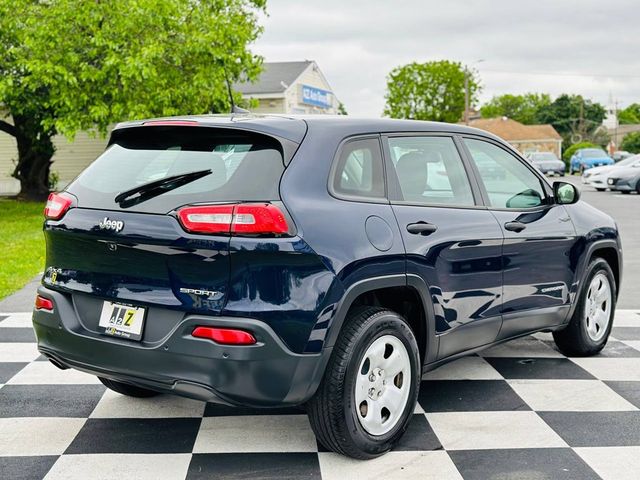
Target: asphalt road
column 625, row 209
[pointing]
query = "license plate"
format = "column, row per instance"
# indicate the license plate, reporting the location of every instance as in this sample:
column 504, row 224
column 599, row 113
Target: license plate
column 124, row 321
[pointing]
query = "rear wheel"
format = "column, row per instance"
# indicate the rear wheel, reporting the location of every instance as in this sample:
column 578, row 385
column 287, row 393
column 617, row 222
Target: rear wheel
column 127, row 389
column 370, row 387
column 590, row 326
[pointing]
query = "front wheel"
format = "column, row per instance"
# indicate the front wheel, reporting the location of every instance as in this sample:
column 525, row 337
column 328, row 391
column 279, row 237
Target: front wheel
column 590, row 325
column 370, row 388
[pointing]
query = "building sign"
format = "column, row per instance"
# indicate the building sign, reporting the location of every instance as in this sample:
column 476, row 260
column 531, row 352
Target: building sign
column 316, row 97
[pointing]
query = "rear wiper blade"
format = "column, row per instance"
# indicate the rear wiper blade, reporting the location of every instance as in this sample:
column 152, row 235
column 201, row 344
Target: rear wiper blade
column 149, row 190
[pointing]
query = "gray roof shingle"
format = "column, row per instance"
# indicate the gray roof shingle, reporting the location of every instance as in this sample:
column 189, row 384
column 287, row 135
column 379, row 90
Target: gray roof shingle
column 273, row 76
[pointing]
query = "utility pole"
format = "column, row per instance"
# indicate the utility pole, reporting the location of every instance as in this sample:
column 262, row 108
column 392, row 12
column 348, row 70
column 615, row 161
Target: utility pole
column 466, row 96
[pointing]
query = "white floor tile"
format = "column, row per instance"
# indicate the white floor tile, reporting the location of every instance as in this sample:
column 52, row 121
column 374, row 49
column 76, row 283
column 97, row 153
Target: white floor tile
column 44, row 373
column 123, row 466
column 18, row 352
column 627, row 318
column 465, row 368
column 632, row 343
column 260, row 433
column 613, row 463
column 487, row 430
column 391, row 466
column 522, row 347
column 570, row 395
column 611, row 368
column 114, row 405
column 37, row 436
column 16, row 320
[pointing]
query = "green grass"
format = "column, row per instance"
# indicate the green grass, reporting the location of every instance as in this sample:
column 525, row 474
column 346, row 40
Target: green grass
column 22, row 251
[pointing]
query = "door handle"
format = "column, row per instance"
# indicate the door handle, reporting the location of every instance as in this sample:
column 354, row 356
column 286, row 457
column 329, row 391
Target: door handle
column 421, row 228
column 514, row 226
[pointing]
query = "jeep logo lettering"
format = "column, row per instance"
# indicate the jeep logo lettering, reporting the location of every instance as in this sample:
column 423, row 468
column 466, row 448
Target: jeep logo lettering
column 115, row 225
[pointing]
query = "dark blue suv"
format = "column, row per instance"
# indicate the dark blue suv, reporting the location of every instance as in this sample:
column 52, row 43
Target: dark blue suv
column 320, row 261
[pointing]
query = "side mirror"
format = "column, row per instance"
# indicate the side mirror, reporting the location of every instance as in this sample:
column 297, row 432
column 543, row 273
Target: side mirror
column 565, row 193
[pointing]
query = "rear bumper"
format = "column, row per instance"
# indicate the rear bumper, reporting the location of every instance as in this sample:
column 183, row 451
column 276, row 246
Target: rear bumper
column 261, row 375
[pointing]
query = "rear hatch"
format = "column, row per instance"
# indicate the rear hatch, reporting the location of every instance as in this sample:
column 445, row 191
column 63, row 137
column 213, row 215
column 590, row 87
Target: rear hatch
column 138, row 247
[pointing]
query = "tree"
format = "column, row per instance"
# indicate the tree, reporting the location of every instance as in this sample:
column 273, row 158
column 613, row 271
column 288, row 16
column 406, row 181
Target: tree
column 631, row 142
column 73, row 65
column 342, row 109
column 630, row 115
column 575, row 118
column 430, row 91
column 522, row 108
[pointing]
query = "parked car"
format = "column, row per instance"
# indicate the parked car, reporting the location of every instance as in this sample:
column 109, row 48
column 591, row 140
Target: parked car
column 620, row 155
column 586, row 158
column 625, row 179
column 330, row 265
column 597, row 176
column 548, row 163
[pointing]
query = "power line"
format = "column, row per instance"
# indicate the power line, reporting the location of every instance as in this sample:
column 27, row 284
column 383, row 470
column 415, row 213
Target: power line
column 564, row 74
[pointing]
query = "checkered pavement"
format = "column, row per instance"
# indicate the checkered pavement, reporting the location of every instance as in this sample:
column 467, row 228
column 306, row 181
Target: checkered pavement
column 518, row 410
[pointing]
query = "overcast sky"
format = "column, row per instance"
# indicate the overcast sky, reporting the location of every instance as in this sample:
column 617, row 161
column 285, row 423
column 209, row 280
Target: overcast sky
column 585, row 47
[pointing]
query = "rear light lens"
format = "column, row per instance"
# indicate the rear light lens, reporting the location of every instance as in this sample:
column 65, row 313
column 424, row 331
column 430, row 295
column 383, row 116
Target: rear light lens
column 243, row 218
column 57, row 205
column 224, row 336
column 43, row 303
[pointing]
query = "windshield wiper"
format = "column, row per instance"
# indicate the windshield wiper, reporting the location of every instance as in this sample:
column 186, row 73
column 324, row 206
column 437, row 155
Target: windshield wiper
column 149, row 190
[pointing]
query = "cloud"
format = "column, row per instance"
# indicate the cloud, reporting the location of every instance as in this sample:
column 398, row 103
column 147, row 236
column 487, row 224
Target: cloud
column 587, row 47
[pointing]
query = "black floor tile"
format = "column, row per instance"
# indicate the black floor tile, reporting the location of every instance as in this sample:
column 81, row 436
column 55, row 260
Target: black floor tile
column 626, row 333
column 217, row 410
column 595, row 429
column 128, row 435
column 418, row 437
column 235, row 466
column 49, row 400
column 9, row 369
column 524, row 464
column 628, row 390
column 469, row 396
column 26, row 468
column 538, row 368
column 23, row 335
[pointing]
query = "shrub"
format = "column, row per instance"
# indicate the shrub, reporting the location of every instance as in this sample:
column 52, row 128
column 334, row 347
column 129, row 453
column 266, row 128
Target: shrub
column 631, row 142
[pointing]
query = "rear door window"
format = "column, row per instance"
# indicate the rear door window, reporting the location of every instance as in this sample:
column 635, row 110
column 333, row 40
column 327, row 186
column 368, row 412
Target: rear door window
column 430, row 171
column 244, row 167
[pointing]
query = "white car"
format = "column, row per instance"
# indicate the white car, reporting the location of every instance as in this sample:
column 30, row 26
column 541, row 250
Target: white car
column 597, row 176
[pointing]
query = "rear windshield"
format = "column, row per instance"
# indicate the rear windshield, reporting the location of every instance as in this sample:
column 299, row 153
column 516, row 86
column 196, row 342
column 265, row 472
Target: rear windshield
column 244, row 167
column 593, row 153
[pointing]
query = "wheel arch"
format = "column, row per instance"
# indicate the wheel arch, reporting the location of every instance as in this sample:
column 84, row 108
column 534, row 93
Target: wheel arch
column 408, row 295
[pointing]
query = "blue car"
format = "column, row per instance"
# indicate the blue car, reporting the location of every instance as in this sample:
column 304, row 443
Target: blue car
column 586, row 158
column 269, row 261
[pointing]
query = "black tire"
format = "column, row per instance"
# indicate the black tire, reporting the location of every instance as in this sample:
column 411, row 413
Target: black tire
column 332, row 410
column 600, row 189
column 127, row 389
column 574, row 340
column 638, row 187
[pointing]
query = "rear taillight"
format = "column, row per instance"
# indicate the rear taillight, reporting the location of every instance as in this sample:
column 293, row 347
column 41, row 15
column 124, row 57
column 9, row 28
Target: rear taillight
column 242, row 218
column 43, row 303
column 224, row 336
column 57, row 205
